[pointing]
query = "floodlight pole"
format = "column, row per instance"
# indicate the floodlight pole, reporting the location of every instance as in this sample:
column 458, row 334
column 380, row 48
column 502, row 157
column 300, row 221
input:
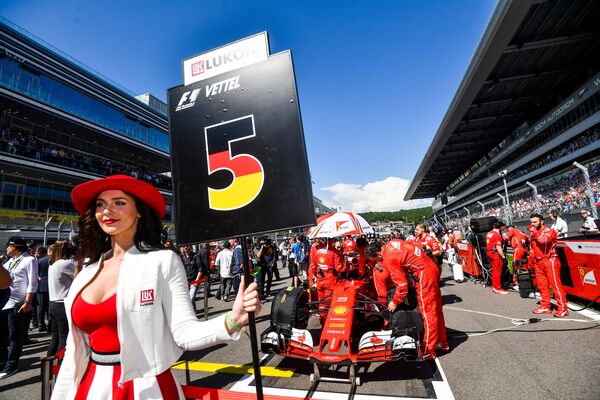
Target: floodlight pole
column 502, row 174
column 252, row 323
column 588, row 189
column 482, row 208
column 468, row 212
column 46, row 223
column 60, row 224
column 538, row 207
column 505, row 207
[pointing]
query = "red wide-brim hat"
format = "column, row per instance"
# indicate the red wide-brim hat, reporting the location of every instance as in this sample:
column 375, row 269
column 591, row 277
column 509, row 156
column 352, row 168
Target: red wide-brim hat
column 82, row 195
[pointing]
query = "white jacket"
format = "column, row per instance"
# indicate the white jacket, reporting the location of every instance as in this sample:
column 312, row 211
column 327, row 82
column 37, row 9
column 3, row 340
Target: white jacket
column 154, row 316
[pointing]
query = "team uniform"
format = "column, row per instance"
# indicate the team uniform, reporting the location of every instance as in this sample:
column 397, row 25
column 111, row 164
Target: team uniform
column 325, row 264
column 401, row 258
column 349, row 245
column 382, row 281
column 362, row 261
column 493, row 239
column 547, row 270
column 516, row 239
column 432, row 243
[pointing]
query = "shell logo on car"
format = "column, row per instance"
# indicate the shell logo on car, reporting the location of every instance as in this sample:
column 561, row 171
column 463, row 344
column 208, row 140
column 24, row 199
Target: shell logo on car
column 340, row 310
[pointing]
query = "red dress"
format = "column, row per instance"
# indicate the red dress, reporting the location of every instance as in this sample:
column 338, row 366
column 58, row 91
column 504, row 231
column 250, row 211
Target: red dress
column 100, row 381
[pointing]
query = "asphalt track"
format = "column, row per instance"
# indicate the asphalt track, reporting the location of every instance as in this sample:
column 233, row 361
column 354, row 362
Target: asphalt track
column 551, row 359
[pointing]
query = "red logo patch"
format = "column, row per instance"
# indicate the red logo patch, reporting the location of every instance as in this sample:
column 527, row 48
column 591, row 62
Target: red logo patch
column 147, row 296
column 198, row 68
column 338, row 224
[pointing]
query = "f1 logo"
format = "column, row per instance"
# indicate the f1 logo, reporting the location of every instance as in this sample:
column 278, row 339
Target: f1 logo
column 147, row 296
column 188, row 99
column 198, row 68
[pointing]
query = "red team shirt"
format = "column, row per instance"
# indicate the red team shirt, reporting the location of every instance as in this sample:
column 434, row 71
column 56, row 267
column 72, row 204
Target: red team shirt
column 428, row 241
column 349, row 245
column 323, row 261
column 493, row 239
column 516, row 238
column 400, row 257
column 543, row 243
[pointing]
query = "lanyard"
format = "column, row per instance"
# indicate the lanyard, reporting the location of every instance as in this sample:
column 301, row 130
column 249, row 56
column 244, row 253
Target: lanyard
column 14, row 265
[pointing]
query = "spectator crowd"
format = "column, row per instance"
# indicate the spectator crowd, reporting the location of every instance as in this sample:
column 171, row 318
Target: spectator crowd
column 30, row 146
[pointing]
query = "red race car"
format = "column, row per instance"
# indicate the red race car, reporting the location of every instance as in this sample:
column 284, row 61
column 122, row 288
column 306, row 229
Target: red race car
column 356, row 329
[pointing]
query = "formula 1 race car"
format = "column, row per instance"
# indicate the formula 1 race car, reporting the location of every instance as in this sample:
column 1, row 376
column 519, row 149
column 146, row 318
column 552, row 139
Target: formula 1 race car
column 355, row 329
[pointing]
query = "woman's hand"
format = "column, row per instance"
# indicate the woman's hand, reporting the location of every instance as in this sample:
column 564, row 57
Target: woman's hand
column 246, row 301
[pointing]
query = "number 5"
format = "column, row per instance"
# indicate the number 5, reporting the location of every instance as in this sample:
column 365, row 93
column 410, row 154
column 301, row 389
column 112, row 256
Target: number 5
column 248, row 173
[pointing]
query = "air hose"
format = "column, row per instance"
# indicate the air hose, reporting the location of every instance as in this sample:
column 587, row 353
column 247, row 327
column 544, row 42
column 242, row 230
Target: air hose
column 586, row 306
column 516, row 322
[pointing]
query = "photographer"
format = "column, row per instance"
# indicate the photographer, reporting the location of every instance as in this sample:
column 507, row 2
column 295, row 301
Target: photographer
column 264, row 258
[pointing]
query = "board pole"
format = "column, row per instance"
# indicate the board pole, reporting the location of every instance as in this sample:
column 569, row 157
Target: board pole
column 252, row 323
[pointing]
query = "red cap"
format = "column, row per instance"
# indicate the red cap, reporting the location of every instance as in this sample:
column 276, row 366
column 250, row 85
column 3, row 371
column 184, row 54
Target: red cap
column 83, row 194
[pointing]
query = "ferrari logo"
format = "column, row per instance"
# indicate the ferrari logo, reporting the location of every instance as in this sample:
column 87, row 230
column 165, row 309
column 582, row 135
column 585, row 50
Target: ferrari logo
column 338, row 224
column 587, row 276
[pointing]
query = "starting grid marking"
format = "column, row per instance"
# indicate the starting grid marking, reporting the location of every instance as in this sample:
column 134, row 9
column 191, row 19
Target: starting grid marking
column 234, row 369
column 441, row 388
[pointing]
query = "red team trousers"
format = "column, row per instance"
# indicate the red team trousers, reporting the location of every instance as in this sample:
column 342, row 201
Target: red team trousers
column 547, row 272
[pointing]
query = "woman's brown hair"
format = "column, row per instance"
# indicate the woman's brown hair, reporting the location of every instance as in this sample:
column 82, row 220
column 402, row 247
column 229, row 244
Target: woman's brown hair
column 59, row 251
column 93, row 241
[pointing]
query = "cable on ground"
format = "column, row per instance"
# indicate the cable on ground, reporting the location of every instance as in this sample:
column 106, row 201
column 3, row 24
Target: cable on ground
column 516, row 322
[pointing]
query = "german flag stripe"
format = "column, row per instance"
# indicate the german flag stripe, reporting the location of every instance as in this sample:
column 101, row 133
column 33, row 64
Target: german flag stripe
column 241, row 165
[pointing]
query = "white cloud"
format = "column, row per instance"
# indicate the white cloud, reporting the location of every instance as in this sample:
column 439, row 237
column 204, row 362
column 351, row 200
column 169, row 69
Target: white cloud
column 385, row 195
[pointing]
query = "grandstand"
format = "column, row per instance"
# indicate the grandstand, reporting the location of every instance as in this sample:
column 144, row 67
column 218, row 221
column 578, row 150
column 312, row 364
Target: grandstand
column 527, row 109
column 61, row 124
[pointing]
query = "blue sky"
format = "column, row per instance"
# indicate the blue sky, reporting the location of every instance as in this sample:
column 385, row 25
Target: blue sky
column 374, row 77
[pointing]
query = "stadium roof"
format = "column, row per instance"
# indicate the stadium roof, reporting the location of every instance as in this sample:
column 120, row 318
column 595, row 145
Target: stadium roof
column 532, row 55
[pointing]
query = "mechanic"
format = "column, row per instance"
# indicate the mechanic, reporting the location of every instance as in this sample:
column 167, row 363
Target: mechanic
column 547, row 267
column 349, row 245
column 400, row 259
column 519, row 243
column 429, row 244
column 361, row 247
column 381, row 278
column 325, row 265
column 496, row 256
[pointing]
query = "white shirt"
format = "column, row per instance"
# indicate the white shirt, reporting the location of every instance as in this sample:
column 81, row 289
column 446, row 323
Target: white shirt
column 60, row 277
column 560, row 226
column 23, row 272
column 224, row 260
column 283, row 248
column 589, row 223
